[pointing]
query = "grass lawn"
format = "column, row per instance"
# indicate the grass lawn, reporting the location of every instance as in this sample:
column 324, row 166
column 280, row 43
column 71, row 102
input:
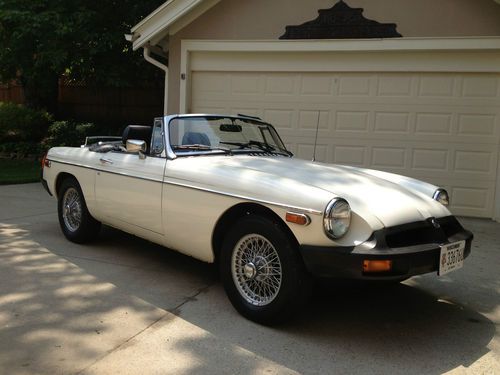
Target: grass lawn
column 19, row 171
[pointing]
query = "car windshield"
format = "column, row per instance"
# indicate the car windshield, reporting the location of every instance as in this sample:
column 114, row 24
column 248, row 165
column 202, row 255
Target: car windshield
column 215, row 134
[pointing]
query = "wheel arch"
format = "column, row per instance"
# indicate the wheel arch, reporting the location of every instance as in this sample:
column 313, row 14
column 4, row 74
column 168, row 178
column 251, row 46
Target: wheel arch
column 233, row 214
column 60, row 178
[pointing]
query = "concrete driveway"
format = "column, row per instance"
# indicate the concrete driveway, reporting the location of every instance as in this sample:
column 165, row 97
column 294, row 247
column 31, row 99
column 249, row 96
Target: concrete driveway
column 124, row 305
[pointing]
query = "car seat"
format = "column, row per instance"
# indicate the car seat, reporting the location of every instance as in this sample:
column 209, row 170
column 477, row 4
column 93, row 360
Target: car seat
column 193, row 138
column 139, row 132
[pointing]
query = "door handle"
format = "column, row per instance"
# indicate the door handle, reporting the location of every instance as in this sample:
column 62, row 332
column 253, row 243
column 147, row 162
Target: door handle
column 106, row 161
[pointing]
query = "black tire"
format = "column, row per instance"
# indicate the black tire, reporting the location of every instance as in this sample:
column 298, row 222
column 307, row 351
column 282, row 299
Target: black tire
column 294, row 285
column 79, row 231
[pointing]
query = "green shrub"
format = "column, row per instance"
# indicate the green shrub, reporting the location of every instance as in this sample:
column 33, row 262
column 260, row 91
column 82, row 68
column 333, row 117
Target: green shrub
column 21, row 124
column 67, row 134
column 21, row 149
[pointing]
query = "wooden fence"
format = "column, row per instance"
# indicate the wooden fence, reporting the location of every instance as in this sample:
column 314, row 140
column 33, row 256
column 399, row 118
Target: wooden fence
column 112, row 107
column 11, row 92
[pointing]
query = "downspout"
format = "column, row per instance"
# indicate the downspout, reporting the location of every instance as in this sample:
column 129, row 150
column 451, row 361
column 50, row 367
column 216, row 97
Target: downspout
column 151, row 60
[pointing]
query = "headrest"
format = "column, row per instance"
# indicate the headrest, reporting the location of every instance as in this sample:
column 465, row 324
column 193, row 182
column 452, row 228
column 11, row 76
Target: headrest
column 193, row 138
column 139, row 132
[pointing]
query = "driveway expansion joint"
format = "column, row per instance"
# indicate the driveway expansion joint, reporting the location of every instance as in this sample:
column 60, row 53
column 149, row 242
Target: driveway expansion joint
column 168, row 313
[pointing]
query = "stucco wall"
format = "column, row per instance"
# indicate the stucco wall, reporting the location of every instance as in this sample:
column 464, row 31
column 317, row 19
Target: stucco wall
column 266, row 19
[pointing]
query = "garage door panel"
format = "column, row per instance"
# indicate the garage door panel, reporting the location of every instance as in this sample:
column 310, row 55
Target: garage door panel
column 437, row 85
column 392, row 122
column 425, row 161
column 428, row 160
column 474, row 162
column 367, row 136
column 443, row 88
column 352, row 121
column 469, row 198
column 439, row 127
column 396, row 85
column 480, row 86
column 476, row 124
column 432, row 124
column 211, row 84
column 320, row 85
column 281, row 84
column 312, row 119
column 425, row 120
column 246, row 84
column 350, row 155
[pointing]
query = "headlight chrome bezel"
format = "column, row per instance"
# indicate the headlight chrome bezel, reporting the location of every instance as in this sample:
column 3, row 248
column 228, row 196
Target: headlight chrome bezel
column 333, row 213
column 442, row 196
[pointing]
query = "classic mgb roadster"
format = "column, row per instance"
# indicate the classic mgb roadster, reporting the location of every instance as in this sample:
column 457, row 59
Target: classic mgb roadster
column 225, row 189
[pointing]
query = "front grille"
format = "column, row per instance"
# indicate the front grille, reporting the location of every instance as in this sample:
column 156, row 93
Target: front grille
column 450, row 225
column 422, row 232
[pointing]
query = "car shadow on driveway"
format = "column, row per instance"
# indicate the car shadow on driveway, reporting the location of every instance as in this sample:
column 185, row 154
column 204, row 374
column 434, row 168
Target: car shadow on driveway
column 346, row 327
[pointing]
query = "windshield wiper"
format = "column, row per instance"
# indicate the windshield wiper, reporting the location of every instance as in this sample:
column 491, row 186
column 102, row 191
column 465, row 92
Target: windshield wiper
column 259, row 145
column 200, row 147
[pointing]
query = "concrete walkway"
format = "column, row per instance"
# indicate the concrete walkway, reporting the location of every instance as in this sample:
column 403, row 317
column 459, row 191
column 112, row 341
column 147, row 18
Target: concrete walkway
column 124, row 305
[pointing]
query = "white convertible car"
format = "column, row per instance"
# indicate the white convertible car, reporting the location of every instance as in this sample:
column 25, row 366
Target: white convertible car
column 225, row 189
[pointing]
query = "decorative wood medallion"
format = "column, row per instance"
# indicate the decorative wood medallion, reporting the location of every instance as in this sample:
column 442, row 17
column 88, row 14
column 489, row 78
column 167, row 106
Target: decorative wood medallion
column 341, row 22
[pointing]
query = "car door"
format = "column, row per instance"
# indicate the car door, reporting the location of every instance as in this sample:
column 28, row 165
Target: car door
column 129, row 188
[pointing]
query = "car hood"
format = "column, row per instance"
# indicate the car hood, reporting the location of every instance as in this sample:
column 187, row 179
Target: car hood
column 383, row 199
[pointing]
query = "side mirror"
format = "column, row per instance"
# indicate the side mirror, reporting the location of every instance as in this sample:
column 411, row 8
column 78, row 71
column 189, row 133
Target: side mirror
column 135, row 145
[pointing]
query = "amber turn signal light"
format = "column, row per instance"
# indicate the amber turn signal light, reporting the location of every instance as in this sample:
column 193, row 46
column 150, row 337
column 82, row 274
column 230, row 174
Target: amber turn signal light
column 377, row 265
column 300, row 219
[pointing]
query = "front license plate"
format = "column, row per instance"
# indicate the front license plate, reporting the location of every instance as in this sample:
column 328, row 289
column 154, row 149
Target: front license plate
column 452, row 257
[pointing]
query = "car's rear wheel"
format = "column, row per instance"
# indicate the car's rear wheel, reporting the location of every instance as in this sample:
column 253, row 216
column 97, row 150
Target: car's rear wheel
column 262, row 271
column 75, row 220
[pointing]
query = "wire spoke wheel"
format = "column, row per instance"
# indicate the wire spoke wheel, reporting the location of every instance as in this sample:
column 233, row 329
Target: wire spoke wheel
column 72, row 209
column 256, row 269
column 77, row 224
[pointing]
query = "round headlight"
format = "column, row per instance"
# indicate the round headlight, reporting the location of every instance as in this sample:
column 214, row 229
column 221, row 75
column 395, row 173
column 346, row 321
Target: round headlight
column 337, row 219
column 442, row 197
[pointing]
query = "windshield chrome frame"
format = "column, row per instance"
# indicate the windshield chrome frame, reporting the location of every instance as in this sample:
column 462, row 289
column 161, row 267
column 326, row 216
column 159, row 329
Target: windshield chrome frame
column 171, row 155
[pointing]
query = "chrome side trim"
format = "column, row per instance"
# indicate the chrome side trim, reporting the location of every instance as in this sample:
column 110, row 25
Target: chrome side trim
column 212, row 191
column 96, row 138
column 168, row 148
column 106, row 171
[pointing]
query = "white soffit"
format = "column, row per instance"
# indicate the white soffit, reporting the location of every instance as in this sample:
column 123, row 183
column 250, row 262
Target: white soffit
column 169, row 18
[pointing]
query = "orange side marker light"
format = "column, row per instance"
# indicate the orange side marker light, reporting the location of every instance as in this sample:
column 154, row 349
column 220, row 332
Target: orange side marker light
column 377, row 265
column 300, row 219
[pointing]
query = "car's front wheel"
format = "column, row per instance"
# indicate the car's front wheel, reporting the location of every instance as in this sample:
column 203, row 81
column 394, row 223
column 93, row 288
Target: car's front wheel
column 75, row 220
column 262, row 272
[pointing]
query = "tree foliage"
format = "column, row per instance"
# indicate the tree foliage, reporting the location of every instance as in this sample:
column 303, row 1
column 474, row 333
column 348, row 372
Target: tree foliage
column 21, row 124
column 41, row 40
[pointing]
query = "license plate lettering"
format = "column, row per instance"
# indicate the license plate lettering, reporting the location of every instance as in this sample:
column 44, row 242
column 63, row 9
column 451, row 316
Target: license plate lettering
column 451, row 257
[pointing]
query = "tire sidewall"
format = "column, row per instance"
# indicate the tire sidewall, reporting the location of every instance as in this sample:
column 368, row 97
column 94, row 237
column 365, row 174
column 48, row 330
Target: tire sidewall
column 289, row 294
column 88, row 224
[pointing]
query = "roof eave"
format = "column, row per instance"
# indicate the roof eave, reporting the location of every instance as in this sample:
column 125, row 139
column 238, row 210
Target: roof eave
column 158, row 23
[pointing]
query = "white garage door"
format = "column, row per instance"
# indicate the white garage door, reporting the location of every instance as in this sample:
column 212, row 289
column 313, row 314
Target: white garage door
column 439, row 127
